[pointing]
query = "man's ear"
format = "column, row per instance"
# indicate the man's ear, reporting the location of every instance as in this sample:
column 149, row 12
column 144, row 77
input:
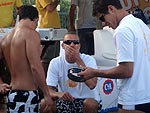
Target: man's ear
column 111, row 9
column 79, row 45
column 36, row 19
column 63, row 46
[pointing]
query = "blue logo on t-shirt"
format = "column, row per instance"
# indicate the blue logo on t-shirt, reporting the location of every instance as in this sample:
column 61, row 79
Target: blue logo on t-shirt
column 108, row 87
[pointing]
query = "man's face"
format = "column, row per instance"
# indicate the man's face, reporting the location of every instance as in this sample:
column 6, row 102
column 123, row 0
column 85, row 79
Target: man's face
column 71, row 40
column 109, row 19
column 71, row 45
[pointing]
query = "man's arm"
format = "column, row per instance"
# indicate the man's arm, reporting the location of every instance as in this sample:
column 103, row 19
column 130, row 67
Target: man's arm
column 53, row 92
column 123, row 70
column 59, row 95
column 3, row 86
column 33, row 51
column 51, row 7
column 91, row 83
column 72, row 17
column 18, row 5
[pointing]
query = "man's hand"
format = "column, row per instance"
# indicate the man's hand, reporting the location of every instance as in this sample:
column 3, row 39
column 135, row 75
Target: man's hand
column 66, row 96
column 4, row 88
column 49, row 104
column 88, row 73
column 72, row 53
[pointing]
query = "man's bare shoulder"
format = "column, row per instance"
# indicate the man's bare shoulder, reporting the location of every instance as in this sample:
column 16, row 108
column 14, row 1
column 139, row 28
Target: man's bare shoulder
column 7, row 39
column 3, row 42
column 27, row 34
column 33, row 35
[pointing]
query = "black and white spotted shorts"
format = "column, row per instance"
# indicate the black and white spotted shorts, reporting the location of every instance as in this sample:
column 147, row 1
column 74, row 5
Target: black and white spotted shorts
column 23, row 101
column 75, row 106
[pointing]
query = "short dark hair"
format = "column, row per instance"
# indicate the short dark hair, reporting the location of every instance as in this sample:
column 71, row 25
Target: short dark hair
column 28, row 11
column 70, row 33
column 101, row 6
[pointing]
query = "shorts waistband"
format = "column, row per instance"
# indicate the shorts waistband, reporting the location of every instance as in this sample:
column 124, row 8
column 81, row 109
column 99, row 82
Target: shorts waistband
column 23, row 91
column 128, row 107
column 134, row 107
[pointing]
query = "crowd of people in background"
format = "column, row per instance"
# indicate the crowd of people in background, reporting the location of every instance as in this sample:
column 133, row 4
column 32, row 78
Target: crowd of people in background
column 31, row 73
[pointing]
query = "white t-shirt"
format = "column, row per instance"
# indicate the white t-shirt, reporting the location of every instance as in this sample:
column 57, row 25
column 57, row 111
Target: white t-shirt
column 57, row 75
column 84, row 17
column 132, row 38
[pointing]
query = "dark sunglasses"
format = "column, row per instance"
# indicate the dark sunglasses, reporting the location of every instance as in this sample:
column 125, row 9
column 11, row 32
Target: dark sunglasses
column 102, row 18
column 68, row 42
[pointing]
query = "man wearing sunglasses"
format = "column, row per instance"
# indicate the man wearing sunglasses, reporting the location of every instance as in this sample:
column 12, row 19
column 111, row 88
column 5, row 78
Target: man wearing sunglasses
column 72, row 97
column 132, row 39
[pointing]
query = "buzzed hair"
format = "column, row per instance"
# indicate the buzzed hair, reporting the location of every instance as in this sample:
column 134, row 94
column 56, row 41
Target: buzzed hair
column 70, row 33
column 28, row 11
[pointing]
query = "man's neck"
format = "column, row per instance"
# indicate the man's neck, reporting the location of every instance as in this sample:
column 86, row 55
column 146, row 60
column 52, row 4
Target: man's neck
column 27, row 23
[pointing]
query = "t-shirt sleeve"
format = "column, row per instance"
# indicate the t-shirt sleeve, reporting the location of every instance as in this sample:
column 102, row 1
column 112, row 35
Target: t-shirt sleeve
column 52, row 74
column 90, row 62
column 125, row 45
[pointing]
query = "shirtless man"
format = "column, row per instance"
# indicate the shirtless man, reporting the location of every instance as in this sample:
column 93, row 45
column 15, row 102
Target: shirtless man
column 21, row 50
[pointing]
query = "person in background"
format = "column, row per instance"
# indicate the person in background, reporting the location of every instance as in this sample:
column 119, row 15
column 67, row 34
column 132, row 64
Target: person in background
column 133, row 55
column 7, row 8
column 70, row 96
column 49, row 18
column 138, row 13
column 85, row 24
column 21, row 51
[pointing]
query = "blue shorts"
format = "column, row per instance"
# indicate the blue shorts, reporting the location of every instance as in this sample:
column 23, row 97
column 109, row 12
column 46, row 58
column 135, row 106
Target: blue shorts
column 145, row 107
column 23, row 101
